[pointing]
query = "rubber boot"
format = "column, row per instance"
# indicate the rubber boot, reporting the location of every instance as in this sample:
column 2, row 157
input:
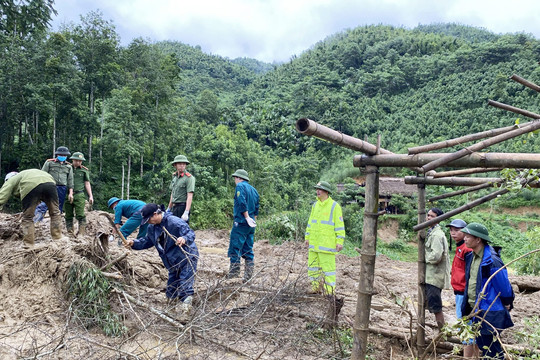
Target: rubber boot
column 28, row 230
column 69, row 227
column 56, row 227
column 82, row 229
column 249, row 267
column 234, row 271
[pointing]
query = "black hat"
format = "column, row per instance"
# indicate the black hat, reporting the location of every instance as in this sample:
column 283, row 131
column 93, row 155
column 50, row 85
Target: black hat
column 147, row 211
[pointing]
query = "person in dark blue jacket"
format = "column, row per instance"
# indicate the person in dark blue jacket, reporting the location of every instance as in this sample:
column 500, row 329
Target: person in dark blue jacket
column 497, row 301
column 175, row 243
column 246, row 209
column 130, row 209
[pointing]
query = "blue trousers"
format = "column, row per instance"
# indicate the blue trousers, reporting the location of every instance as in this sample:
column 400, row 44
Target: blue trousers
column 181, row 279
column 241, row 243
column 41, row 209
column 494, row 348
column 132, row 224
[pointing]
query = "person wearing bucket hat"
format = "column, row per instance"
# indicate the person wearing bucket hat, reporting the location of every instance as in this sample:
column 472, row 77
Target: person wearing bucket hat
column 62, row 172
column 437, row 267
column 324, row 237
column 241, row 239
column 33, row 186
column 175, row 243
column 457, row 277
column 81, row 185
column 130, row 209
column 495, row 303
column 182, row 187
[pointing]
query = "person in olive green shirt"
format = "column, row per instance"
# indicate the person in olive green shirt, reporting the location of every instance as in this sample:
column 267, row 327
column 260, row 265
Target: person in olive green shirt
column 437, row 267
column 182, row 188
column 62, row 172
column 81, row 184
column 33, row 186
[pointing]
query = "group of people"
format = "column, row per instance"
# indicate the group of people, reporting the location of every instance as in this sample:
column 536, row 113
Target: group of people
column 486, row 301
column 46, row 189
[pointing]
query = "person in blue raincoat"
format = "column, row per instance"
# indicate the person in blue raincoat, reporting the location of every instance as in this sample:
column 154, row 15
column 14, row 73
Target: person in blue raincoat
column 175, row 243
column 130, row 209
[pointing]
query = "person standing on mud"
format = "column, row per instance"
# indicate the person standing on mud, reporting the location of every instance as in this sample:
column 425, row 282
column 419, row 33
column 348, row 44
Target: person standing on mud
column 457, row 278
column 246, row 210
column 182, row 188
column 62, row 172
column 495, row 303
column 437, row 267
column 81, row 184
column 33, row 186
column 175, row 243
column 130, row 209
column 325, row 234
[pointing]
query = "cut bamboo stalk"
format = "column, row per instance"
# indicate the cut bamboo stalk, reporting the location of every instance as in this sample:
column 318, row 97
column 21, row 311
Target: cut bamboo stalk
column 460, row 209
column 452, row 181
column 463, row 172
column 535, row 125
column 460, row 192
column 527, row 83
column 421, row 321
column 461, row 140
column 310, row 127
column 488, row 160
column 514, row 109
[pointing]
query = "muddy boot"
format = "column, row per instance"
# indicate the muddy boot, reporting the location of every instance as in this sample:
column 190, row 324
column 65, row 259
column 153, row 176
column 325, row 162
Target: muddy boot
column 249, row 267
column 28, row 231
column 82, row 229
column 56, row 227
column 69, row 227
column 234, row 271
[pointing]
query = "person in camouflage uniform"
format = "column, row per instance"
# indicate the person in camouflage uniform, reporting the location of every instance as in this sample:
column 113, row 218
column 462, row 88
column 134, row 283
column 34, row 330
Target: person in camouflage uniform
column 81, row 184
column 62, row 172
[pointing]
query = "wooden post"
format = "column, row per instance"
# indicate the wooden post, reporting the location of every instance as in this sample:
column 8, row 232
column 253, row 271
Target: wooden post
column 420, row 329
column 367, row 265
column 527, row 83
column 535, row 125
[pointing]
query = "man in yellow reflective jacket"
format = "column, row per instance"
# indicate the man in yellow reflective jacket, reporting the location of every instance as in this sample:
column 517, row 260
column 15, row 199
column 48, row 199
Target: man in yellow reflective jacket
column 325, row 233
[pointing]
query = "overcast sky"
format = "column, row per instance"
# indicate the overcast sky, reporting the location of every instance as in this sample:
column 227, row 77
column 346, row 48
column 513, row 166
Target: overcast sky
column 275, row 30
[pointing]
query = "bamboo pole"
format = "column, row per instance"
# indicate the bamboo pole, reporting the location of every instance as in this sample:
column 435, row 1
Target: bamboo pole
column 367, row 265
column 535, row 125
column 460, row 192
column 488, row 160
column 462, row 172
column 460, row 209
column 460, row 140
column 527, row 83
column 452, row 181
column 310, row 127
column 420, row 328
column 513, row 109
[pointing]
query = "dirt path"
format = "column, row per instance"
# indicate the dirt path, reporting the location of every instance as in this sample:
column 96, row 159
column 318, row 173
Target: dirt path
column 269, row 318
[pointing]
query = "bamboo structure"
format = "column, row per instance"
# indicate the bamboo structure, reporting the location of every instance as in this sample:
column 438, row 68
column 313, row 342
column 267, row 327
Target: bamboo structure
column 460, row 192
column 527, row 83
column 421, row 321
column 535, row 125
column 451, row 181
column 514, row 109
column 367, row 264
column 461, row 172
column 504, row 160
column 460, row 140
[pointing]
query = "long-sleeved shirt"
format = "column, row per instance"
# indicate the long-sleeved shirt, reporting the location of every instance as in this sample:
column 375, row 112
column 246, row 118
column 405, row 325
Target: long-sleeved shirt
column 22, row 183
column 246, row 198
column 437, row 261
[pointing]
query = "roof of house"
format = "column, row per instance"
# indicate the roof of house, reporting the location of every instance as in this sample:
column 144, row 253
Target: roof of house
column 392, row 185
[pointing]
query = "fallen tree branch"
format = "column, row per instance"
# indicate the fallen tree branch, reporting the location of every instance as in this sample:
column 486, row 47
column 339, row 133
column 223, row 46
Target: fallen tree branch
column 114, row 261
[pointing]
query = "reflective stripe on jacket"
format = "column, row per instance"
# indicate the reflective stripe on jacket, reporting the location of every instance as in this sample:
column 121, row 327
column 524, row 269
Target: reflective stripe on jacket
column 325, row 228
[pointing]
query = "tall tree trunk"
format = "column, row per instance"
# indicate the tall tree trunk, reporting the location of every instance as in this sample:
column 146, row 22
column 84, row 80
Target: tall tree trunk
column 101, row 138
column 54, row 132
column 123, row 171
column 128, row 176
column 89, row 148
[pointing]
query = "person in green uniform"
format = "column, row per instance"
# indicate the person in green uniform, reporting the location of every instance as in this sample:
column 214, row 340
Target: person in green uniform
column 81, row 184
column 182, row 187
column 62, row 172
column 33, row 186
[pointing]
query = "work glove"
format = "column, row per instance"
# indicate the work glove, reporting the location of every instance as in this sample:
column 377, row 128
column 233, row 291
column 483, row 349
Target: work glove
column 185, row 216
column 251, row 222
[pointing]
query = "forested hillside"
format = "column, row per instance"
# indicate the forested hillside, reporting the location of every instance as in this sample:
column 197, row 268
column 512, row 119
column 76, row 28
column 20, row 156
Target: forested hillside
column 131, row 109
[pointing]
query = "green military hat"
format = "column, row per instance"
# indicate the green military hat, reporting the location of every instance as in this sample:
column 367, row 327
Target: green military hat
column 241, row 173
column 180, row 159
column 62, row 150
column 77, row 156
column 476, row 229
column 323, row 185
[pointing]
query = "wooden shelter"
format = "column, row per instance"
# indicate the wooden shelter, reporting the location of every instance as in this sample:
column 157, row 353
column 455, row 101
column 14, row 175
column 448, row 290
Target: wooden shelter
column 468, row 158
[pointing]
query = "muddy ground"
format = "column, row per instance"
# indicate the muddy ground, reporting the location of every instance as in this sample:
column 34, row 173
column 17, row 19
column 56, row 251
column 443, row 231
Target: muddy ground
column 271, row 317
